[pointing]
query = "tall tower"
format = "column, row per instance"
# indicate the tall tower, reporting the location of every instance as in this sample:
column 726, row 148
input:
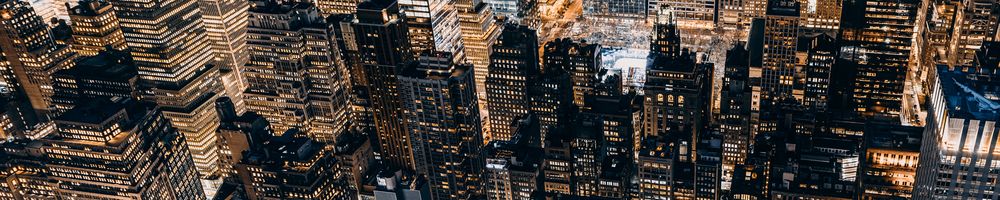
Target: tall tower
column 444, row 124
column 172, row 52
column 434, row 26
column 580, row 59
column 95, row 27
column 295, row 75
column 225, row 23
column 512, row 65
column 140, row 154
column 380, row 35
column 876, row 38
column 959, row 138
column 30, row 55
column 480, row 30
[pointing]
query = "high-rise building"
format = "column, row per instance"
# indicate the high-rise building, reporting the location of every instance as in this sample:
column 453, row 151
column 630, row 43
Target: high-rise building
column 734, row 107
column 111, row 73
column 580, row 59
column 296, row 77
column 616, row 114
column 958, row 152
column 175, row 70
column 119, row 149
column 379, row 35
column 779, row 33
column 513, row 168
column 335, row 7
column 513, row 65
column 513, row 9
column 956, row 29
column 237, row 133
column 550, row 98
column 355, row 157
column 30, row 55
column 815, row 56
column 288, row 166
column 480, row 30
column 446, row 136
column 51, row 10
column 889, row 164
column 225, row 24
column 655, row 169
column 22, row 174
column 95, row 27
column 676, row 93
column 394, row 184
column 433, row 25
column 876, row 39
column 820, row 16
column 615, row 9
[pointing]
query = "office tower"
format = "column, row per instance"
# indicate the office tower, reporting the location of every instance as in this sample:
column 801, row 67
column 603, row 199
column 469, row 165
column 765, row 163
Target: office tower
column 108, row 74
column 30, row 55
column 557, row 164
column 287, row 166
column 513, row 9
column 815, row 56
column 779, row 37
column 586, row 143
column 820, row 16
column 954, row 30
column 354, row 155
column 676, row 90
column 960, row 128
column 550, row 98
column 51, row 10
column 513, row 64
column 513, row 167
column 361, row 116
column 433, row 25
column 119, row 149
column 378, row 32
column 827, row 168
column 336, row 7
column 615, row 113
column 480, row 30
column 728, row 17
column 394, row 184
column 735, row 106
column 688, row 13
column 655, row 169
column 708, row 166
column 95, row 27
column 237, row 133
column 295, row 75
column 615, row 181
column 225, row 23
column 22, row 174
column 443, row 117
column 889, row 163
column 876, row 38
column 615, row 9
column 174, row 70
column 580, row 59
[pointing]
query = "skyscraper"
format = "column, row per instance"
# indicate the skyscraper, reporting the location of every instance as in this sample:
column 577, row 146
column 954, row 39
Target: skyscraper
column 876, row 38
column 175, row 70
column 95, row 26
column 30, row 54
column 735, row 106
column 110, row 73
column 958, row 147
column 296, row 77
column 513, row 65
column 443, row 118
column 379, row 34
column 820, row 16
column 225, row 23
column 889, row 164
column 480, row 30
column 434, row 26
column 580, row 59
column 120, row 149
column 286, row 167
